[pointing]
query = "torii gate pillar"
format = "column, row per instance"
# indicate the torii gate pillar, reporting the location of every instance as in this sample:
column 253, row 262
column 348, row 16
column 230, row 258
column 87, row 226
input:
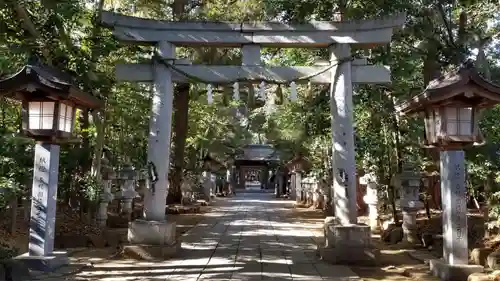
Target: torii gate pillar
column 154, row 231
column 344, row 184
column 346, row 241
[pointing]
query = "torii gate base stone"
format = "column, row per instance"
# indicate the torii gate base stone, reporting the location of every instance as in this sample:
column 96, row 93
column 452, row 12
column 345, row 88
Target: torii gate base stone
column 345, row 241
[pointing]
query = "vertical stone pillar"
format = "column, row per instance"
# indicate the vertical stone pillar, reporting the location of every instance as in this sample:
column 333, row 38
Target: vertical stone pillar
column 293, row 186
column 227, row 182
column 250, row 54
column 207, row 185
column 298, row 187
column 241, row 181
column 344, row 170
column 279, row 184
column 346, row 241
column 213, row 184
column 454, row 265
column 233, row 182
column 41, row 255
column 453, row 198
column 159, row 134
column 154, row 232
column 265, row 177
column 278, row 181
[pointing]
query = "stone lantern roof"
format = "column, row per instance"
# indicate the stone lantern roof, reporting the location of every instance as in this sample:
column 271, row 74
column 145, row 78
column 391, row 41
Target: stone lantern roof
column 38, row 80
column 299, row 163
column 463, row 86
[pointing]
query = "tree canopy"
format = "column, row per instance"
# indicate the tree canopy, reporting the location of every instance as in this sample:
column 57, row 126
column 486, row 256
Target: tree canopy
column 437, row 36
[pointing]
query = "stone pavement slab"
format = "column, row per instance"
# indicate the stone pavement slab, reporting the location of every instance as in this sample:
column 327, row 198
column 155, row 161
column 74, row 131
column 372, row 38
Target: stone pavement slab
column 246, row 237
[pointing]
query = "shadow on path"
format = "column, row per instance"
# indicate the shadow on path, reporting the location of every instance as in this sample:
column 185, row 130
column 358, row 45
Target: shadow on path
column 251, row 236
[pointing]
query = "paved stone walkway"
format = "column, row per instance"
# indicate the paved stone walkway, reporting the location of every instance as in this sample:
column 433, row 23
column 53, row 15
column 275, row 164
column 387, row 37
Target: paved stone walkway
column 246, row 237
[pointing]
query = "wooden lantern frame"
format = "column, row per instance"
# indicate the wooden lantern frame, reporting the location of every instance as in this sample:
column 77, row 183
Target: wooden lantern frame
column 55, row 130
column 446, row 97
column 36, row 82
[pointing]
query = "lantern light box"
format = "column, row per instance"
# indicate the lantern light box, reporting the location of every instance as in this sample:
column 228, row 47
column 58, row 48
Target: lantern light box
column 49, row 101
column 452, row 107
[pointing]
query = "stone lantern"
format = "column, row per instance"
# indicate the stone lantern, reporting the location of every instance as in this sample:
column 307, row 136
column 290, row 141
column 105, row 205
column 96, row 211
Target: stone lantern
column 210, row 165
column 106, row 196
column 127, row 191
column 371, row 198
column 48, row 100
column 408, row 183
column 297, row 166
column 451, row 106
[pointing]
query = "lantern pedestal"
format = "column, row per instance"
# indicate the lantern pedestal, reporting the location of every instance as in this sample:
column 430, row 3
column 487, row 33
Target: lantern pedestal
column 454, row 265
column 293, row 186
column 151, row 240
column 371, row 199
column 372, row 212
column 41, row 255
column 449, row 272
column 299, row 193
column 280, row 186
column 410, row 227
column 207, row 186
column 348, row 244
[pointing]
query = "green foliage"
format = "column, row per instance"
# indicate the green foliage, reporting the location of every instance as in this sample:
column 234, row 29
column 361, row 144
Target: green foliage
column 67, row 35
column 7, row 251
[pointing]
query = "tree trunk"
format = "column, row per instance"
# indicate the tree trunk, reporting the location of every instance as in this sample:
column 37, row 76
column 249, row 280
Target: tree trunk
column 432, row 70
column 180, row 130
column 14, row 210
column 180, row 126
column 85, row 158
column 100, row 123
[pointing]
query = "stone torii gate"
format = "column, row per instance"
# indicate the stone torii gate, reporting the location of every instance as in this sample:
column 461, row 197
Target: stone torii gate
column 341, row 72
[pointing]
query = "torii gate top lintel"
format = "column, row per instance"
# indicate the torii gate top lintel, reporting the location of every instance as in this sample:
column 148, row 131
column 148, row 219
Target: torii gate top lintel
column 268, row 34
column 341, row 72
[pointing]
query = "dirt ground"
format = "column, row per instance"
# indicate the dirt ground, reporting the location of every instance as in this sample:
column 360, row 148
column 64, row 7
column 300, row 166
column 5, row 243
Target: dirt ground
column 395, row 263
column 19, row 239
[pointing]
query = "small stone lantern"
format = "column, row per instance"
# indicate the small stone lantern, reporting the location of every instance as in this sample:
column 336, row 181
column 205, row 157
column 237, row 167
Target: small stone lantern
column 371, row 199
column 408, row 183
column 451, row 106
column 106, row 195
column 210, row 165
column 297, row 166
column 127, row 191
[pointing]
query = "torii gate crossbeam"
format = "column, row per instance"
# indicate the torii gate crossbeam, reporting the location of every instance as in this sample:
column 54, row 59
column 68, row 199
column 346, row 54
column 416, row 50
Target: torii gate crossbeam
column 350, row 239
